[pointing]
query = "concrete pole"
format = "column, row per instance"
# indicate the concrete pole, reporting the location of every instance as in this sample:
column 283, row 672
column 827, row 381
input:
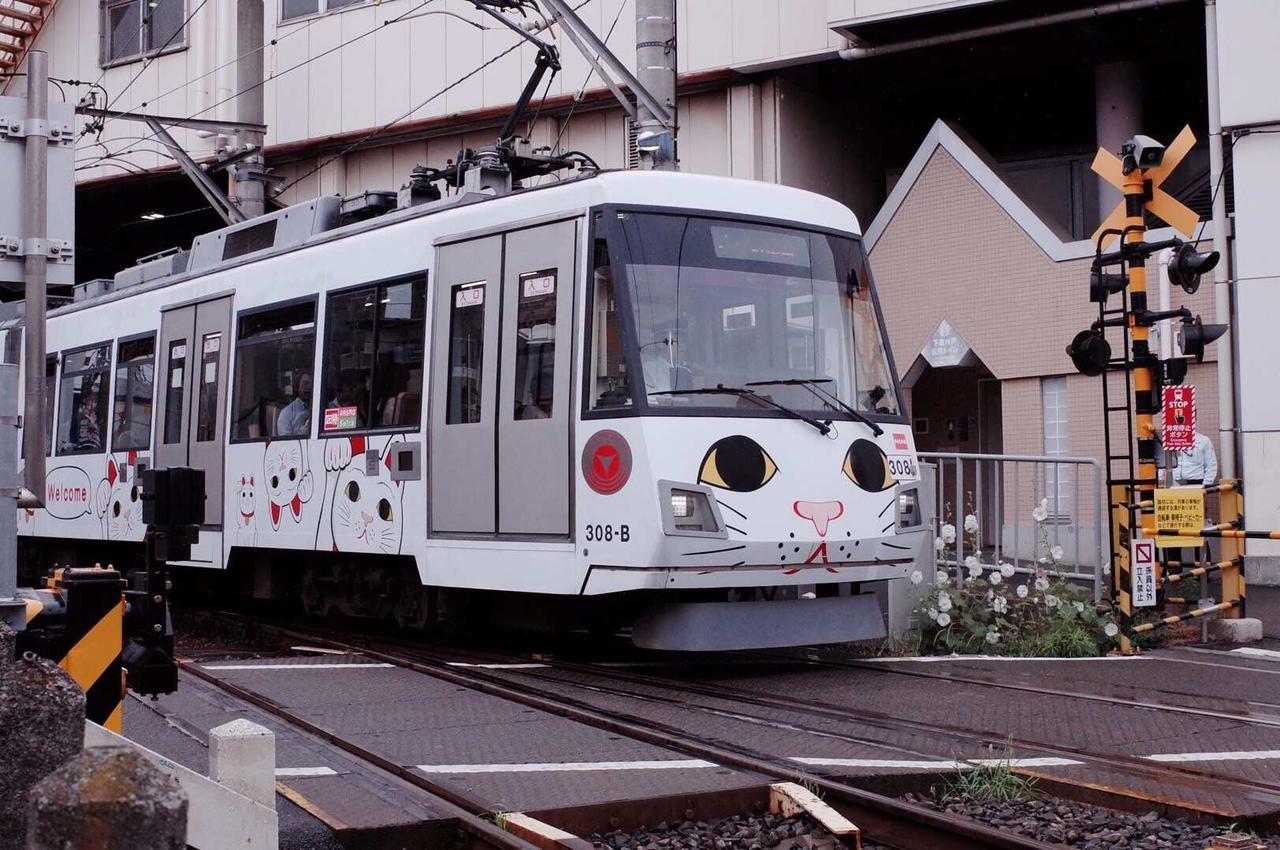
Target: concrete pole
column 1118, row 115
column 1221, row 283
column 247, row 188
column 36, row 259
column 12, row 610
column 656, row 70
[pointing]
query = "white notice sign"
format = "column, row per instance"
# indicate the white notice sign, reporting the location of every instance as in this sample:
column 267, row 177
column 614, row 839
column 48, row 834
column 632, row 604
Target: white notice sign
column 1142, row 566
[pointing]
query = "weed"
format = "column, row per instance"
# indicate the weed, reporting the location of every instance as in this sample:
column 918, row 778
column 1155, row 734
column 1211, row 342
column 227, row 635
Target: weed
column 990, row 781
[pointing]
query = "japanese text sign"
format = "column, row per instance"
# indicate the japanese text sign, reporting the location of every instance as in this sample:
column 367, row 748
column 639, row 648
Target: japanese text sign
column 1179, row 507
column 1142, row 567
column 1179, row 405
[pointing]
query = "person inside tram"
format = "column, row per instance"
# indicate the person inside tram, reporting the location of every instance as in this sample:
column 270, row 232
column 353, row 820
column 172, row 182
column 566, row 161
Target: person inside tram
column 88, row 431
column 352, row 392
column 295, row 419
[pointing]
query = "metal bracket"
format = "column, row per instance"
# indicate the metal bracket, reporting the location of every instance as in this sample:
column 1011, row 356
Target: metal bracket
column 15, row 421
column 57, row 250
column 19, row 128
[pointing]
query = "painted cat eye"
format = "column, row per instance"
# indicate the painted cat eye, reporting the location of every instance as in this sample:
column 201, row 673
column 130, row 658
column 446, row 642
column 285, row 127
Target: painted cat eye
column 866, row 465
column 737, row 463
column 384, row 511
column 353, row 491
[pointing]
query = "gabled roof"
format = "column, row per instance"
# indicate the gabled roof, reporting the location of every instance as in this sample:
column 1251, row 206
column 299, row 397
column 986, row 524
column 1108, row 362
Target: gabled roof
column 984, row 170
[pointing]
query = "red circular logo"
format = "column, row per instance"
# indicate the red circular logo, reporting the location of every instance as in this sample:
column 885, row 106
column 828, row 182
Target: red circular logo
column 606, row 462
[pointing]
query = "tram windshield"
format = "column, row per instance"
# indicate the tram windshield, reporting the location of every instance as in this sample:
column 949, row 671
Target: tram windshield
column 784, row 313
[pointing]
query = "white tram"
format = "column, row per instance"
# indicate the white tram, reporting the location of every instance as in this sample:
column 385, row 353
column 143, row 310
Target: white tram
column 651, row 399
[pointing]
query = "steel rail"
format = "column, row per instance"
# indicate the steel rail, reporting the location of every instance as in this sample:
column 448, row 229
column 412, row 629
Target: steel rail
column 884, row 819
column 467, row 813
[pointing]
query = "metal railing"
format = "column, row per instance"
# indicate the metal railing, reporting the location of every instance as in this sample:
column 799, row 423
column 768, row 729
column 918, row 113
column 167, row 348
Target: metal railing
column 1004, row 490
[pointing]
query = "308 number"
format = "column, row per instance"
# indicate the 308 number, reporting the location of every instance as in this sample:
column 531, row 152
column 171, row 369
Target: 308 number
column 609, row 533
column 902, row 467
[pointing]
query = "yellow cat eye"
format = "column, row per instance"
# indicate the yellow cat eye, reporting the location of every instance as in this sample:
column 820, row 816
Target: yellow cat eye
column 737, row 463
column 385, row 512
column 352, row 491
column 866, row 465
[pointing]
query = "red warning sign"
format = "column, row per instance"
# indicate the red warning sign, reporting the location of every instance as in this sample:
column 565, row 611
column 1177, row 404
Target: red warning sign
column 1179, row 418
column 606, row 462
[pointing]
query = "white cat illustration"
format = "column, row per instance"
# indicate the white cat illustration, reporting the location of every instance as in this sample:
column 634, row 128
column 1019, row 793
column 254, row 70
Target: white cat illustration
column 288, row 480
column 365, row 511
column 247, row 505
column 119, row 504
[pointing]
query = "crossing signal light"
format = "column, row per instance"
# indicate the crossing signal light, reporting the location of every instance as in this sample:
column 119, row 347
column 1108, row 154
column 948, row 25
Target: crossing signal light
column 1090, row 352
column 1188, row 265
column 1102, row 285
column 1155, row 162
column 1195, row 335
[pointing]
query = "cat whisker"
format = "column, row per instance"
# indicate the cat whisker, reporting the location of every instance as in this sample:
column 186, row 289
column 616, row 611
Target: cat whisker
column 722, row 503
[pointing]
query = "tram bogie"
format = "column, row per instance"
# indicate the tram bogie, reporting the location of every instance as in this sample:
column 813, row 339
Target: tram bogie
column 660, row 400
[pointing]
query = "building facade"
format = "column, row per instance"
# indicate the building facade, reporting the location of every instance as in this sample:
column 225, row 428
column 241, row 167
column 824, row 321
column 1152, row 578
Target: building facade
column 960, row 131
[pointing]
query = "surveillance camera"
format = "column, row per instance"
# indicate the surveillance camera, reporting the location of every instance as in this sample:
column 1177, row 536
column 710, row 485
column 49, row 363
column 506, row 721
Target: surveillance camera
column 1142, row 152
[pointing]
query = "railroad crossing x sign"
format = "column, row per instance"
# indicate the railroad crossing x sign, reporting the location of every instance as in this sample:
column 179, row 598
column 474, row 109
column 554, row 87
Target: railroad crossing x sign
column 1179, row 216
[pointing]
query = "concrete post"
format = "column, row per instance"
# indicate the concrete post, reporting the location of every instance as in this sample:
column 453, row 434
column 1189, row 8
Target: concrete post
column 656, row 70
column 242, row 757
column 247, row 188
column 12, row 610
column 1118, row 109
column 107, row 798
column 41, row 726
column 36, row 270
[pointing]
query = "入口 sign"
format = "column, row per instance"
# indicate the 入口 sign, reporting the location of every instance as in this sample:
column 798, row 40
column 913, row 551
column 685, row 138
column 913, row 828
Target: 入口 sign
column 1179, row 507
column 1142, row 567
column 1179, row 418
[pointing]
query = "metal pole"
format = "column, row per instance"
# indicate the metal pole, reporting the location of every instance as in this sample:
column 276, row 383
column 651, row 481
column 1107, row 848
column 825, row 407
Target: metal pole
column 656, row 70
column 12, row 611
column 36, row 259
column 1221, row 284
column 247, row 188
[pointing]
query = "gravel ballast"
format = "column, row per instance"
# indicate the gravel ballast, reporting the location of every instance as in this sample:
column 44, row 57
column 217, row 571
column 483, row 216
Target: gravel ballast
column 741, row 832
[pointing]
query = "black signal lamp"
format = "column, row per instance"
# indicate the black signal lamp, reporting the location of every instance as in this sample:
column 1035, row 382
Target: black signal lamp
column 1175, row 370
column 1188, row 265
column 1090, row 352
column 1195, row 335
column 1103, row 285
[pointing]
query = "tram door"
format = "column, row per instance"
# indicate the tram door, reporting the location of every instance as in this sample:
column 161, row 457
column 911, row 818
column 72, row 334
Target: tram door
column 191, row 408
column 500, row 447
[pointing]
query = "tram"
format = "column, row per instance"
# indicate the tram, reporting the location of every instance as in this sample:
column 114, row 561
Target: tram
column 648, row 400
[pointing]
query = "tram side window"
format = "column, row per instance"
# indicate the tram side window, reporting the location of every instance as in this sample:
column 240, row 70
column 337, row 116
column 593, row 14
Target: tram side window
column 374, row 345
column 611, row 387
column 135, row 380
column 82, row 403
column 535, row 345
column 50, row 395
column 175, row 386
column 466, row 353
column 275, row 353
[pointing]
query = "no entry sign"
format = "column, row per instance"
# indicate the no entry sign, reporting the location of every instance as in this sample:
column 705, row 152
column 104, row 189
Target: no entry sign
column 1179, row 417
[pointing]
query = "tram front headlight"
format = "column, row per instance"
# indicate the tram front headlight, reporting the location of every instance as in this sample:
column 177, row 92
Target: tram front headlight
column 689, row 510
column 681, row 504
column 908, row 508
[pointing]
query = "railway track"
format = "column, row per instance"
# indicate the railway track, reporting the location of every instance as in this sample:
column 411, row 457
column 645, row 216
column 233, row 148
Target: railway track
column 885, row 820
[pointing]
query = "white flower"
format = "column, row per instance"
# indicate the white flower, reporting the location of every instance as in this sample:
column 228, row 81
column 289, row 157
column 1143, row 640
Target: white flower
column 1111, row 630
column 994, row 578
column 941, row 577
column 1056, row 553
column 1079, row 607
column 933, row 613
column 917, row 577
column 975, row 571
column 1042, row 584
column 1041, row 511
column 1022, row 591
column 1007, row 570
column 1051, row 600
column 993, row 637
column 1000, row 604
column 939, row 544
column 948, row 533
column 944, row 619
column 944, row 601
column 970, row 523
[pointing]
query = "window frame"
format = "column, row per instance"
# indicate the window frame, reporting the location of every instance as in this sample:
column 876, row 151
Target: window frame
column 602, row 224
column 106, row 60
column 322, row 8
column 109, row 370
column 425, row 276
column 154, row 336
column 237, row 344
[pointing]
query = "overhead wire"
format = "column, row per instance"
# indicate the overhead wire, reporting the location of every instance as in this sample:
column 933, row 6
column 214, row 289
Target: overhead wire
column 378, row 131
column 582, row 90
column 147, row 62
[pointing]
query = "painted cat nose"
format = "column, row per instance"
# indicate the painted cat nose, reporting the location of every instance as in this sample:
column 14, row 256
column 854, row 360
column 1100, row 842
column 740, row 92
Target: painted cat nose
column 819, row 513
column 368, row 520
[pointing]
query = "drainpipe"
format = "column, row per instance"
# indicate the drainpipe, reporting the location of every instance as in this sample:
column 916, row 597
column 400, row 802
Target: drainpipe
column 1096, row 11
column 1221, row 282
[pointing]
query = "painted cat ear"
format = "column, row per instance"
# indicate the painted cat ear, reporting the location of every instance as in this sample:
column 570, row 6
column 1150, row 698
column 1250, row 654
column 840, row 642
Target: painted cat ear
column 111, row 470
column 250, row 480
column 357, row 446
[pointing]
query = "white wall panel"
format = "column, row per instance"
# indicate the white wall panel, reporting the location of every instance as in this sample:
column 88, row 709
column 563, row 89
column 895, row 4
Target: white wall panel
column 428, row 53
column 324, row 77
column 291, row 88
column 709, row 34
column 755, row 29
column 704, row 136
column 359, row 85
column 1249, row 52
column 464, row 50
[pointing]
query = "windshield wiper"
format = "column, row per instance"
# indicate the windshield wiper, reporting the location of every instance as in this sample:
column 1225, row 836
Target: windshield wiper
column 811, row 384
column 720, row 389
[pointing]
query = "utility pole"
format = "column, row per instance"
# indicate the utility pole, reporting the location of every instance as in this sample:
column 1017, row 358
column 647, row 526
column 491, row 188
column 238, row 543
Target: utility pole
column 36, row 273
column 656, row 70
column 247, row 189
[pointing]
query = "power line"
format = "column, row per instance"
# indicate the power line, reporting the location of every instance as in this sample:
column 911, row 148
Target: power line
column 577, row 98
column 363, row 139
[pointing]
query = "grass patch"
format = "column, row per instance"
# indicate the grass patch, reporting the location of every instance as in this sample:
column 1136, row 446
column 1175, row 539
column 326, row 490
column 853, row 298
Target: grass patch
column 989, row 782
